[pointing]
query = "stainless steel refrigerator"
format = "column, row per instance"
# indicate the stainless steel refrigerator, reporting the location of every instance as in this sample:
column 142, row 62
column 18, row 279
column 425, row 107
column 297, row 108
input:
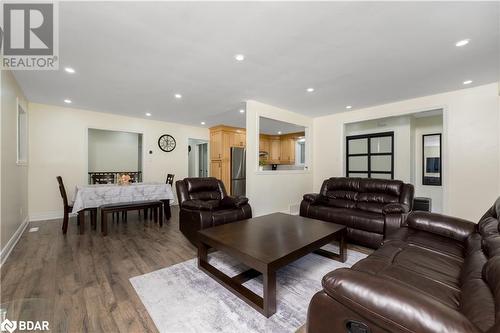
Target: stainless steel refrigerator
column 238, row 171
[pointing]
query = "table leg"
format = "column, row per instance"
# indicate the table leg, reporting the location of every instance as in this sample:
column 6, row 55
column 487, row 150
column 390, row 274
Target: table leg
column 166, row 209
column 202, row 252
column 81, row 220
column 269, row 293
column 343, row 246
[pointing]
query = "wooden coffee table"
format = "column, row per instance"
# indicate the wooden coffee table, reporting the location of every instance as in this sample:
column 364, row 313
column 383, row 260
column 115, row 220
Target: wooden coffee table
column 266, row 244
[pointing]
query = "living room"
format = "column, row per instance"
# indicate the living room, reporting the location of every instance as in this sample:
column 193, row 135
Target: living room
column 251, row 167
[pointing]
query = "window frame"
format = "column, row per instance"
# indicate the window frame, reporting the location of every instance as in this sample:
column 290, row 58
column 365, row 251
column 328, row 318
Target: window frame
column 369, row 154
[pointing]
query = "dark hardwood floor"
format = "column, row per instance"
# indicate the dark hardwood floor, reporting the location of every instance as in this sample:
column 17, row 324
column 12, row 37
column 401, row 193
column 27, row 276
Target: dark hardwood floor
column 80, row 283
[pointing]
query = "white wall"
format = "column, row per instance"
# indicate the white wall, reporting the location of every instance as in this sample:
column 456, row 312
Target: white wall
column 274, row 191
column 58, row 146
column 471, row 168
column 14, row 178
column 113, row 151
column 426, row 125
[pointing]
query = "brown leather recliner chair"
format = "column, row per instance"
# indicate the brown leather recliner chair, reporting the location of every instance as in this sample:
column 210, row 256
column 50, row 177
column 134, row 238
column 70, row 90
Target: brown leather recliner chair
column 436, row 274
column 370, row 208
column 204, row 203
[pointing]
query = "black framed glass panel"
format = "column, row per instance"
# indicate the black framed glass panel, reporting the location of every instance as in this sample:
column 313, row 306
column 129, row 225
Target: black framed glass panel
column 431, row 159
column 370, row 155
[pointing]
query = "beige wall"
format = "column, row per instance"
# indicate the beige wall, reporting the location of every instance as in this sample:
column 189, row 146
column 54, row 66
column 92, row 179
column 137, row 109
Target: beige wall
column 113, row 151
column 470, row 141
column 274, row 191
column 58, row 146
column 14, row 178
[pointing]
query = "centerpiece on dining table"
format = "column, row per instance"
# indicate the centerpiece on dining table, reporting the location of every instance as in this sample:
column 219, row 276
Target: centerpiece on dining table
column 124, row 179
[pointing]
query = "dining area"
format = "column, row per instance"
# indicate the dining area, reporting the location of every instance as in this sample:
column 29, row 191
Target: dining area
column 112, row 198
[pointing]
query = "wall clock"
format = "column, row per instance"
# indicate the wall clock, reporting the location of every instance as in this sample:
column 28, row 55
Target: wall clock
column 166, row 143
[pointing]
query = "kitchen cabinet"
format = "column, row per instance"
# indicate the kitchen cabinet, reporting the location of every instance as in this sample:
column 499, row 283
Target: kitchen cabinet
column 287, row 154
column 222, row 138
column 274, row 150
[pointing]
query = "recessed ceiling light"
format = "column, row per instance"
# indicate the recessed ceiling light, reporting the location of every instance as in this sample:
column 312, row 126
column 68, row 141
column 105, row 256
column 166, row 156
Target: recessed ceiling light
column 468, row 82
column 279, row 132
column 67, row 101
column 462, row 42
column 239, row 57
column 242, row 111
column 148, row 114
column 203, row 123
column 178, row 96
column 348, row 107
column 310, row 89
column 69, row 70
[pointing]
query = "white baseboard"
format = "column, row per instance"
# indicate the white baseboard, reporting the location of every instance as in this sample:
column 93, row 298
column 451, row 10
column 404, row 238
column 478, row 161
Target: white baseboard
column 5, row 252
column 50, row 215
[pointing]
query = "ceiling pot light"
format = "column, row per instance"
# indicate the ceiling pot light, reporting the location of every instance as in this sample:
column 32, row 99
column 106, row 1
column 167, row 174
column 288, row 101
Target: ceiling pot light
column 462, row 42
column 310, row 89
column 67, row 101
column 348, row 107
column 148, row 114
column 239, row 57
column 203, row 123
column 242, row 111
column 69, row 70
column 178, row 96
column 467, row 82
column 279, row 132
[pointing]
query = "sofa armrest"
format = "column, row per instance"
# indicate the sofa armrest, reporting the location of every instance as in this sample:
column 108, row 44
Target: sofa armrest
column 443, row 225
column 313, row 198
column 233, row 202
column 395, row 208
column 199, row 205
column 392, row 304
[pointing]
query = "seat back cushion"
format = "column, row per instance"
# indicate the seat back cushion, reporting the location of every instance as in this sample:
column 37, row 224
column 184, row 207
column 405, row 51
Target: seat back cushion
column 376, row 193
column 340, row 192
column 203, row 188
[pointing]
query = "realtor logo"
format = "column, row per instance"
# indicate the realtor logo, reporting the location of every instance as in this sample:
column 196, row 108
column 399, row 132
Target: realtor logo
column 8, row 325
column 29, row 36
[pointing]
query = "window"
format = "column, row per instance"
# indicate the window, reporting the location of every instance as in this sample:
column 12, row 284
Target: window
column 370, row 155
column 22, row 135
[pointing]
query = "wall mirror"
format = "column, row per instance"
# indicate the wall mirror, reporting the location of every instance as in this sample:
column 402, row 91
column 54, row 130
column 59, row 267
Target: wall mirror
column 431, row 159
column 282, row 145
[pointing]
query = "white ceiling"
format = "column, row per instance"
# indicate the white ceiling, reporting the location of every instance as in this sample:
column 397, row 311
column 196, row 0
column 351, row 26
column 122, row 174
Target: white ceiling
column 131, row 58
column 272, row 127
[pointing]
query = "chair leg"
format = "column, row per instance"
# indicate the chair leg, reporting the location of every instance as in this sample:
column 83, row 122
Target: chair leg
column 81, row 219
column 65, row 222
column 160, row 208
column 104, row 223
column 155, row 213
column 93, row 218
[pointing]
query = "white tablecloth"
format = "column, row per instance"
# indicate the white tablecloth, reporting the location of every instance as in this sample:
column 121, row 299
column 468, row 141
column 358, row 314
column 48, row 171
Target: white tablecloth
column 91, row 196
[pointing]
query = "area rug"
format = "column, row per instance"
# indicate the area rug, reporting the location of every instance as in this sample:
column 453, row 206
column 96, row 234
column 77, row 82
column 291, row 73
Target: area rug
column 181, row 298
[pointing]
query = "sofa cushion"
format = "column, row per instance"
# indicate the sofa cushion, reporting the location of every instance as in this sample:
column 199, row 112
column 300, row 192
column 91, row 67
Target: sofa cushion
column 227, row 215
column 386, row 186
column 353, row 218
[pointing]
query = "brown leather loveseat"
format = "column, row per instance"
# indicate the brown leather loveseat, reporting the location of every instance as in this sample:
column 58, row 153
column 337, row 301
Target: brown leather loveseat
column 370, row 208
column 204, row 203
column 437, row 274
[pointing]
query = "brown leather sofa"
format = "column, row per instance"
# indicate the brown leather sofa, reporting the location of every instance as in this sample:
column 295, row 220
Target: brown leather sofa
column 204, row 203
column 437, row 274
column 370, row 208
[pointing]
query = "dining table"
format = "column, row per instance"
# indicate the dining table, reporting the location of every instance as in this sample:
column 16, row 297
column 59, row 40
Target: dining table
column 93, row 196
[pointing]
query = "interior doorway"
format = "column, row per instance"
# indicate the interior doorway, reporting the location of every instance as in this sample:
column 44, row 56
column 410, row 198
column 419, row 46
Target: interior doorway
column 197, row 158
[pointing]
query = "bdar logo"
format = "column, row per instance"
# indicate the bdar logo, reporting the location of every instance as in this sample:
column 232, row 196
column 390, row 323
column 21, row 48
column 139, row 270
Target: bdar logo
column 8, row 325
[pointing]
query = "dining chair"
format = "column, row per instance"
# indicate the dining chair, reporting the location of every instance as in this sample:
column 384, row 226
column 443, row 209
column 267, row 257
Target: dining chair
column 169, row 181
column 68, row 207
column 107, row 178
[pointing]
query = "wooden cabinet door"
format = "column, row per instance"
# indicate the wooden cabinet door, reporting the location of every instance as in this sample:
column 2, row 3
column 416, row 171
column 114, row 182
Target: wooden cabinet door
column 241, row 139
column 275, row 150
column 264, row 144
column 216, row 169
column 291, row 154
column 287, row 150
column 216, row 145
